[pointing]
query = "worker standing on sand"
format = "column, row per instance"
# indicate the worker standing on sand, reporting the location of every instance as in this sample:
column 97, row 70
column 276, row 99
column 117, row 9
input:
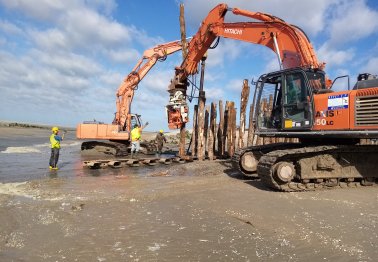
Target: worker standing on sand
column 55, row 140
column 136, row 135
column 159, row 140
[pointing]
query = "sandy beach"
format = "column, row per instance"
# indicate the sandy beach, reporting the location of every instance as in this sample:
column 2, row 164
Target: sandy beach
column 200, row 211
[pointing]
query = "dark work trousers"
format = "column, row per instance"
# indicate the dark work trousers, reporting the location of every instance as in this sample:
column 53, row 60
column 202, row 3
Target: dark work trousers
column 159, row 147
column 54, row 157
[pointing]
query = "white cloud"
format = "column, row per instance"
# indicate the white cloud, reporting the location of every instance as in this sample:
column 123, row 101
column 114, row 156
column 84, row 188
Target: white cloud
column 335, row 57
column 235, row 85
column 311, row 18
column 144, row 39
column 156, row 82
column 129, row 55
column 110, row 78
column 43, row 10
column 105, row 6
column 77, row 25
column 68, row 63
column 3, row 41
column 214, row 93
column 51, row 10
column 371, row 66
column 226, row 50
column 212, row 76
column 51, row 39
column 10, row 28
column 86, row 26
column 45, row 83
column 352, row 20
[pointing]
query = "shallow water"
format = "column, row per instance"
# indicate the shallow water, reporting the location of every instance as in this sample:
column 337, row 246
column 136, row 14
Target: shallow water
column 26, row 158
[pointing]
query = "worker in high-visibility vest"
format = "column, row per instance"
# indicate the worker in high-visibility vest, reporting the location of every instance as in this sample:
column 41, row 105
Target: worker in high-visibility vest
column 55, row 140
column 136, row 135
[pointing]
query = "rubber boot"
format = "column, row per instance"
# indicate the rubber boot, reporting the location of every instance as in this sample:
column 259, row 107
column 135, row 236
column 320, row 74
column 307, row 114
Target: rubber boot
column 136, row 155
column 132, row 154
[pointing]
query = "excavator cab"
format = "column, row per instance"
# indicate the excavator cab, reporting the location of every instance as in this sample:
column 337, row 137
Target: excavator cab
column 284, row 100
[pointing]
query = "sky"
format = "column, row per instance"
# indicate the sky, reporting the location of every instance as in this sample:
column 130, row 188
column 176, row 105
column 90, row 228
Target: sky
column 61, row 61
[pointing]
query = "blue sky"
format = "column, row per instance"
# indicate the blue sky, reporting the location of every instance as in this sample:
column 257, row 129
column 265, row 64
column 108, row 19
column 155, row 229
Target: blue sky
column 62, row 61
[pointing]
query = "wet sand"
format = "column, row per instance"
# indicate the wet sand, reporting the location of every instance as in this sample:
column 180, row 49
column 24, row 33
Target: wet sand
column 184, row 212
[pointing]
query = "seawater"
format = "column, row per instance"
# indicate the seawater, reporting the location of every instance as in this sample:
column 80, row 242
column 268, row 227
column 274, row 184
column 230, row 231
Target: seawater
column 26, row 158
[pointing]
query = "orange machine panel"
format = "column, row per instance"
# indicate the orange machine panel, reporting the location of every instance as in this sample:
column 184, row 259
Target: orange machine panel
column 364, row 103
column 332, row 111
column 100, row 131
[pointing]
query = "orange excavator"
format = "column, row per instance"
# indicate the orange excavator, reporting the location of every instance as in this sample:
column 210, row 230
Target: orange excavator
column 328, row 124
column 118, row 133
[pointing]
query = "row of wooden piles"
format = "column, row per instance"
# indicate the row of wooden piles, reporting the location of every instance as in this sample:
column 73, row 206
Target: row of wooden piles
column 220, row 140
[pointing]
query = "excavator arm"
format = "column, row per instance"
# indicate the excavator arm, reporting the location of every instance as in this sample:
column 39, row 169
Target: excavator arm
column 289, row 42
column 125, row 92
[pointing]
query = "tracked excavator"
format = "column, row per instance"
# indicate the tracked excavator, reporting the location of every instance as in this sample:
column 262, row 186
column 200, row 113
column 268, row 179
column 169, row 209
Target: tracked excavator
column 328, row 124
column 114, row 139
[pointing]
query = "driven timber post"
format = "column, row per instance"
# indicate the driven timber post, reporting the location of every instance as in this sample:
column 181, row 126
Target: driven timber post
column 184, row 53
column 231, row 127
column 206, row 128
column 201, row 115
column 201, row 121
column 195, row 132
column 225, row 128
column 243, row 107
column 232, row 130
column 212, row 131
column 220, row 129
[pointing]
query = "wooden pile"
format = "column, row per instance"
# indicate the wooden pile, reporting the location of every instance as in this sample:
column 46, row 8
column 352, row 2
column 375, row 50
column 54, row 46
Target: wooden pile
column 211, row 140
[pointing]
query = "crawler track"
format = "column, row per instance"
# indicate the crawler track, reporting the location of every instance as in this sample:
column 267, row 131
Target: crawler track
column 256, row 152
column 129, row 162
column 321, row 167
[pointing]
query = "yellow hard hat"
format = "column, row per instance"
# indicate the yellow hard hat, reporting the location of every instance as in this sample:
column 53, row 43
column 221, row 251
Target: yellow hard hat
column 161, row 131
column 54, row 129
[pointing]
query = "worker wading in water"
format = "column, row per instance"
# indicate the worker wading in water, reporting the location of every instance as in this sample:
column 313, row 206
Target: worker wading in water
column 55, row 140
column 136, row 135
column 159, row 140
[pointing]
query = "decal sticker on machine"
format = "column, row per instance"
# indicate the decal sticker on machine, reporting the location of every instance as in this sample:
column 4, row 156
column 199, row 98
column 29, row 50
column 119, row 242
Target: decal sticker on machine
column 338, row 102
column 323, row 122
column 288, row 123
column 233, row 31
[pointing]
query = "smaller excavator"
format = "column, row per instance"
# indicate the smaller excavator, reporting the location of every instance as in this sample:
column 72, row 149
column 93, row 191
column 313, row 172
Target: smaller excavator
column 328, row 124
column 114, row 139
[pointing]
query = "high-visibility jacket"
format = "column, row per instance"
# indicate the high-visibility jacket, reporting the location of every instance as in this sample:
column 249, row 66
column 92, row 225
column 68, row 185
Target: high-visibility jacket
column 55, row 143
column 135, row 134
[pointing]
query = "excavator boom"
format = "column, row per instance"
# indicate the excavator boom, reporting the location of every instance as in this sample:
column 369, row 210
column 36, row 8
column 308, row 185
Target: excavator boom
column 119, row 130
column 125, row 92
column 289, row 42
